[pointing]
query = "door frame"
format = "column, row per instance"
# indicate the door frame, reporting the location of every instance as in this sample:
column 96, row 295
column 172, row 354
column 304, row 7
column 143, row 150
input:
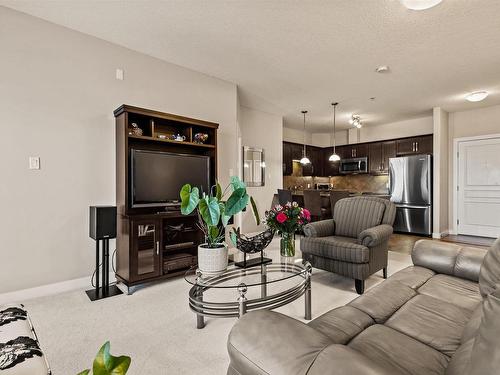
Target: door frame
column 456, row 145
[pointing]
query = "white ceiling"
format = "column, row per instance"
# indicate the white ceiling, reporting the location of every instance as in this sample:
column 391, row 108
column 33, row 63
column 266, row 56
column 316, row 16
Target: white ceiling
column 291, row 55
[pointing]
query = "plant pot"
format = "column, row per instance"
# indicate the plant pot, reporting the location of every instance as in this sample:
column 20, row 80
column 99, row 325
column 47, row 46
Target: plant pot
column 212, row 261
column 287, row 245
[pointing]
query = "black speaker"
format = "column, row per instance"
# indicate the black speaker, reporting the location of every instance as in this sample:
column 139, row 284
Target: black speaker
column 102, row 222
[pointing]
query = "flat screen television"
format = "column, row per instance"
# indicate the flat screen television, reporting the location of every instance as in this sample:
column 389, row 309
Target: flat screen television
column 157, row 177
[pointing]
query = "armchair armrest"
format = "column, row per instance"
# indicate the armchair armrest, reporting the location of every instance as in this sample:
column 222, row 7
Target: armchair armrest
column 447, row 258
column 321, row 228
column 266, row 342
column 375, row 236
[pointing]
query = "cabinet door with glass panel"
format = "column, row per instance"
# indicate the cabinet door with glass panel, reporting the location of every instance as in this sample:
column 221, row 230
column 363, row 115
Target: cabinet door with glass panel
column 145, row 249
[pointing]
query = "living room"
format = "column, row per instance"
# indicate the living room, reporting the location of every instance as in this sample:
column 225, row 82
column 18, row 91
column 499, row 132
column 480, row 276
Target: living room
column 210, row 80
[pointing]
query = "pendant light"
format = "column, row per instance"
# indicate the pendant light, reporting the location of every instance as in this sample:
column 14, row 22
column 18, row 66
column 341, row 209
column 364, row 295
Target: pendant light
column 305, row 160
column 334, row 156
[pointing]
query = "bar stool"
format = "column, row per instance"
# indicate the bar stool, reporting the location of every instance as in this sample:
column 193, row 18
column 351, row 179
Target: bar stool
column 312, row 202
column 335, row 196
column 284, row 196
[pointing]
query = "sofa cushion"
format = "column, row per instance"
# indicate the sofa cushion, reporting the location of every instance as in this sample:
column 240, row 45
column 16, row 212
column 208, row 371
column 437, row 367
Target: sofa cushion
column 401, row 353
column 489, row 275
column 472, row 325
column 383, row 300
column 461, row 359
column 345, row 249
column 485, row 356
column 342, row 324
column 431, row 321
column 413, row 276
column 354, row 215
column 460, row 292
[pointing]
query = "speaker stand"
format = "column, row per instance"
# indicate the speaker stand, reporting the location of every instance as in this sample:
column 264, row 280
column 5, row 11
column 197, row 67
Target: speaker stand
column 106, row 290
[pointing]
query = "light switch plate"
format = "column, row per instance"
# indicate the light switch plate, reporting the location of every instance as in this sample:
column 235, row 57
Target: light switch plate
column 34, row 162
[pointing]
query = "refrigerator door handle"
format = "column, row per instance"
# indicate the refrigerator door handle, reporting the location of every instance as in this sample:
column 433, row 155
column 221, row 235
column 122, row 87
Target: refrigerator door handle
column 410, row 206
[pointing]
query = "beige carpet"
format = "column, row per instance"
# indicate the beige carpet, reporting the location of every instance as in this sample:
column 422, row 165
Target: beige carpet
column 156, row 328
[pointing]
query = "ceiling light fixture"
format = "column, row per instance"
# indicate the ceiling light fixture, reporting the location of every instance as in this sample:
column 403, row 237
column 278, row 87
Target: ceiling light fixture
column 419, row 4
column 356, row 121
column 382, row 69
column 476, row 96
column 305, row 160
column 334, row 156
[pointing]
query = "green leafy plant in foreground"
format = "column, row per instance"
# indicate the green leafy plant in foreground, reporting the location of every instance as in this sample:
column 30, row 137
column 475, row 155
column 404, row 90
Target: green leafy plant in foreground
column 106, row 364
column 214, row 210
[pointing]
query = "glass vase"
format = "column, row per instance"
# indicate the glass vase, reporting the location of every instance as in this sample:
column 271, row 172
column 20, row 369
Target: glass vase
column 287, row 245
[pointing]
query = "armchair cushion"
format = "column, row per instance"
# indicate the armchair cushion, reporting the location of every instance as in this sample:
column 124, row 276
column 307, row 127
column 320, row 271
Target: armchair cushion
column 345, row 249
column 375, row 236
column 354, row 215
column 321, row 228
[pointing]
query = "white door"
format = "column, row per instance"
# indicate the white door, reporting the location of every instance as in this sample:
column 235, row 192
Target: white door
column 479, row 187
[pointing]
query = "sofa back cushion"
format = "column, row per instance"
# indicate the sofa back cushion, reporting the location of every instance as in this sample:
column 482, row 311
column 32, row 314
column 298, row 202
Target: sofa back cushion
column 354, row 215
column 489, row 275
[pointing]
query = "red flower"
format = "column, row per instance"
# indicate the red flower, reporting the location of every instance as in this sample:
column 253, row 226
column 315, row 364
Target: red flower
column 281, row 217
column 306, row 214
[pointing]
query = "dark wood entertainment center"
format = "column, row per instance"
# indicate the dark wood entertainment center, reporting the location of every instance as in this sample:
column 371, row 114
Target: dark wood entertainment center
column 154, row 243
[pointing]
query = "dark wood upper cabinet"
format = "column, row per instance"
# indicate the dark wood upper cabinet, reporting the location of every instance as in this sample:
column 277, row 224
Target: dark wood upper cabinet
column 355, row 151
column 330, row 168
column 375, row 157
column 414, row 145
column 388, row 151
column 315, row 168
column 287, row 159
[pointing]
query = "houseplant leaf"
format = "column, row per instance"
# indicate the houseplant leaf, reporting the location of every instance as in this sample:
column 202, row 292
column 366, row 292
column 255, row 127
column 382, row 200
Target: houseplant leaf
column 237, row 201
column 236, row 183
column 106, row 364
column 84, row 372
column 218, row 191
column 255, row 210
column 190, row 198
column 209, row 210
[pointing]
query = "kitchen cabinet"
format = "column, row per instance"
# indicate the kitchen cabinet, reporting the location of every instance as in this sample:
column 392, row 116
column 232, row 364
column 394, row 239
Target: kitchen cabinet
column 287, row 159
column 330, row 168
column 414, row 145
column 315, row 167
column 378, row 156
column 354, row 151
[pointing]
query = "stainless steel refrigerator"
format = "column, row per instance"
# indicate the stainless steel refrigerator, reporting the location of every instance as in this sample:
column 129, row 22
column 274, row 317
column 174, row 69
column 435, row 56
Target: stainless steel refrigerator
column 410, row 186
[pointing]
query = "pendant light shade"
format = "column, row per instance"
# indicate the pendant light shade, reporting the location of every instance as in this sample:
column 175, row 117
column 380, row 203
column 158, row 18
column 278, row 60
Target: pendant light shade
column 334, row 156
column 305, row 160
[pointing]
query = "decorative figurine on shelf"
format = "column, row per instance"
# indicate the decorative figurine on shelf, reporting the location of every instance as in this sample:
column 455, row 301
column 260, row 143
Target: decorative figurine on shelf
column 135, row 130
column 162, row 136
column 178, row 137
column 287, row 220
column 200, row 138
column 252, row 245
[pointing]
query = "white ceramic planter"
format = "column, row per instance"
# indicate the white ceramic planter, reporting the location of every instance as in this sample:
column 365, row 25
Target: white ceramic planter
column 212, row 261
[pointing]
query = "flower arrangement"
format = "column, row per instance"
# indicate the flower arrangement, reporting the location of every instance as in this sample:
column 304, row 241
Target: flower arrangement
column 286, row 220
column 289, row 218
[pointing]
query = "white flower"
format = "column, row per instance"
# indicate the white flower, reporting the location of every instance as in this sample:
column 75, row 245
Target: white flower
column 295, row 204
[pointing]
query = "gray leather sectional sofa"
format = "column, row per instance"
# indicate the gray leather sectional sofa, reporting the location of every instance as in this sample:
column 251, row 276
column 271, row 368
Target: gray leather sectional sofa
column 439, row 316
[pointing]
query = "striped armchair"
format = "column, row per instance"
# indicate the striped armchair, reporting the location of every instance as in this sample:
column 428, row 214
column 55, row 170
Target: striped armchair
column 354, row 243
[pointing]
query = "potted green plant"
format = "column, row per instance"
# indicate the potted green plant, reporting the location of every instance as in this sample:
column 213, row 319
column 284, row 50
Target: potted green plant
column 107, row 364
column 215, row 208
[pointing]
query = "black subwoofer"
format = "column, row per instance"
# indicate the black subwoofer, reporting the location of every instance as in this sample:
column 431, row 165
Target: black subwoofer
column 102, row 222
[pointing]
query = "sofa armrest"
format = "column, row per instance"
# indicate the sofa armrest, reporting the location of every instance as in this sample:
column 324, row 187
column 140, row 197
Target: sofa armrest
column 266, row 342
column 321, row 228
column 376, row 235
column 447, row 258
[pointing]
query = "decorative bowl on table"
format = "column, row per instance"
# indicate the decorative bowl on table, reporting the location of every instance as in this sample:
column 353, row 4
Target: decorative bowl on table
column 252, row 245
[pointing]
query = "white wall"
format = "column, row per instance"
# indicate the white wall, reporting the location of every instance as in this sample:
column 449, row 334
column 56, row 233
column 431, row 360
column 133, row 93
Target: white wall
column 472, row 123
column 57, row 95
column 399, row 129
column 297, row 136
column 262, row 130
column 440, row 173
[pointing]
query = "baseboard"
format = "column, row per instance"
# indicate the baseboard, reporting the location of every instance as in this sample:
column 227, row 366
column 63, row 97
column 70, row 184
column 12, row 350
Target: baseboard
column 440, row 235
column 49, row 289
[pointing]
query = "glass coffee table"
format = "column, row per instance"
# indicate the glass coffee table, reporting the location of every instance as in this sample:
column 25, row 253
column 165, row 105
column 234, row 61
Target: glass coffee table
column 239, row 290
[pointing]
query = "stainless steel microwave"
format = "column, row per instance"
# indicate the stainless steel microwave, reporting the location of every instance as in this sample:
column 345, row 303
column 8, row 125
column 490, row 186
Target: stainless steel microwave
column 353, row 166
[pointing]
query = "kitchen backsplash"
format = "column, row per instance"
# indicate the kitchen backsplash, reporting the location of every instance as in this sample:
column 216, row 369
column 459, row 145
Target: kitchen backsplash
column 354, row 183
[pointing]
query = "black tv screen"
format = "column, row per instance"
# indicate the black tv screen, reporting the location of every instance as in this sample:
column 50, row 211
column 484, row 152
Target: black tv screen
column 157, row 177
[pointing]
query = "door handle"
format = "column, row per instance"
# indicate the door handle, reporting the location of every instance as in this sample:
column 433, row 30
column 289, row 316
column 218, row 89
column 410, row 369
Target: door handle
column 416, row 146
column 157, row 247
column 413, row 146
